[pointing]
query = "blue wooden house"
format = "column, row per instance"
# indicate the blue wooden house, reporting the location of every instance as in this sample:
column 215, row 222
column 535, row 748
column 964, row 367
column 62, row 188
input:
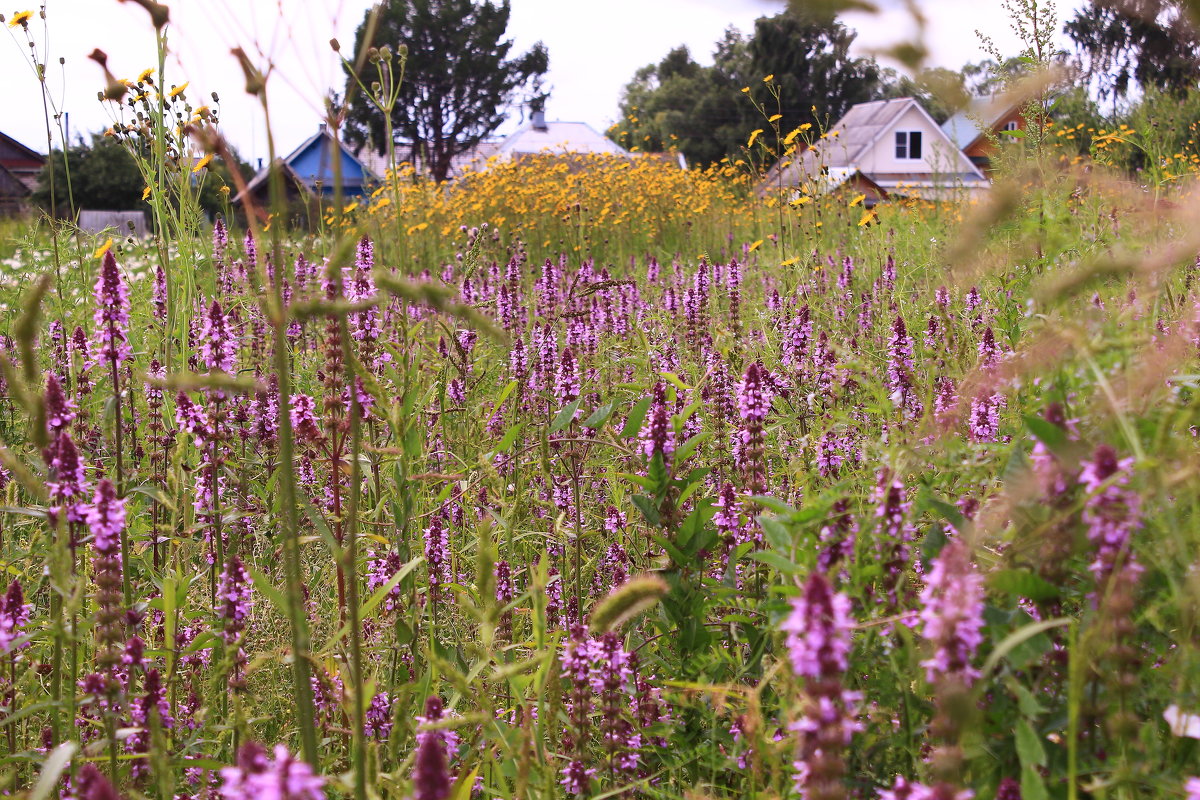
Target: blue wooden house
column 308, row 173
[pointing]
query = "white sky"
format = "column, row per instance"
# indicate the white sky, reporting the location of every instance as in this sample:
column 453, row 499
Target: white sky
column 594, row 47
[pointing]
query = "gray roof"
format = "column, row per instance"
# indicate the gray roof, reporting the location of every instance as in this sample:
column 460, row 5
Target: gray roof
column 558, row 137
column 964, row 127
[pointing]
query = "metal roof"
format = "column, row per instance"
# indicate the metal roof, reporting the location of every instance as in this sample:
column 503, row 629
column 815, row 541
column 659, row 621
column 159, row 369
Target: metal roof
column 964, row 127
column 558, row 137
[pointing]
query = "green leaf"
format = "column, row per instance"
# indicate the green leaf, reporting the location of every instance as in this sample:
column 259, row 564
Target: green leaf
column 1047, row 433
column 777, row 534
column 599, row 416
column 503, row 396
column 689, row 447
column 566, row 416
column 946, row 511
column 933, row 543
column 1023, row 583
column 318, row 521
column 773, row 503
column 640, row 480
column 674, row 380
column 1014, row 134
column 377, row 596
column 678, row 557
column 1017, row 637
column 1032, row 785
column 263, row 584
column 637, row 415
column 510, row 436
column 1029, row 746
column 657, row 473
column 1026, row 702
column 466, row 783
column 648, row 509
column 776, row 560
column 156, row 494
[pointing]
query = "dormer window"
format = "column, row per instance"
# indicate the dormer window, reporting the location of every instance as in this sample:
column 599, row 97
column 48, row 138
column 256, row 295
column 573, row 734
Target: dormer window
column 1011, row 125
column 908, row 144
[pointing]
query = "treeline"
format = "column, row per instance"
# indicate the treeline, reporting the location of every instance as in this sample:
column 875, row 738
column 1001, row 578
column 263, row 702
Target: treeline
column 1129, row 61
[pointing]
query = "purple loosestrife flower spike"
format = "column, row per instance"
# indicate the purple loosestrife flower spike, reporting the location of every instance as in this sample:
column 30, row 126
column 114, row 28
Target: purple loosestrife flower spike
column 112, row 313
column 92, row 785
column 14, row 613
column 257, row 778
column 900, row 371
column 657, row 435
column 431, row 771
column 219, row 345
column 1009, row 789
column 952, row 615
column 159, row 294
column 378, row 721
column 984, row 422
column 106, row 519
column 566, row 381
column 903, row 790
column 60, row 411
column 754, row 401
column 1111, row 514
column 818, row 641
column 70, row 481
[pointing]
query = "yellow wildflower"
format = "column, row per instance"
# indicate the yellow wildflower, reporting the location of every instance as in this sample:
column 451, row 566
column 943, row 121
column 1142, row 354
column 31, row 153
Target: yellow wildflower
column 145, row 192
column 145, row 75
column 858, row 199
column 769, row 78
column 20, row 18
column 755, row 246
column 867, row 216
column 202, row 163
column 102, row 249
column 178, row 90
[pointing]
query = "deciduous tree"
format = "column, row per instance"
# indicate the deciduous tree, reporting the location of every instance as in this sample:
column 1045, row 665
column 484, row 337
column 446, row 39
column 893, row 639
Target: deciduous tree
column 458, row 77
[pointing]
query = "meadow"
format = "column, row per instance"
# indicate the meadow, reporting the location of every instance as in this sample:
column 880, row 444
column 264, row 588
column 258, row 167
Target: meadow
column 598, row 478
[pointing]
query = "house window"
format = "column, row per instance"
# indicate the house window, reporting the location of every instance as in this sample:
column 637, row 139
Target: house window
column 1011, row 125
column 908, row 144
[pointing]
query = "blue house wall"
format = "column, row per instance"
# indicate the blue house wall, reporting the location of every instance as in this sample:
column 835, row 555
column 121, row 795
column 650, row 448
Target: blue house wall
column 315, row 163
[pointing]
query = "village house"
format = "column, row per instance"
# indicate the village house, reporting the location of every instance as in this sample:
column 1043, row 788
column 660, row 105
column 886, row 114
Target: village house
column 978, row 128
column 883, row 149
column 308, row 173
column 535, row 137
column 539, row 136
column 20, row 167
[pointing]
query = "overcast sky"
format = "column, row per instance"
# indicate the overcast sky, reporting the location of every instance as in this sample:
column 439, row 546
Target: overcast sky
column 594, row 47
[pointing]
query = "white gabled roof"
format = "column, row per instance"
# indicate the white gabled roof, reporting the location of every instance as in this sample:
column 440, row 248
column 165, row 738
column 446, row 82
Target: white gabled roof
column 558, row 137
column 852, row 137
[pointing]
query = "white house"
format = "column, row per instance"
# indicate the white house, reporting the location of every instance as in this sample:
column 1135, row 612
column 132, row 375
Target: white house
column 884, row 148
column 539, row 136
